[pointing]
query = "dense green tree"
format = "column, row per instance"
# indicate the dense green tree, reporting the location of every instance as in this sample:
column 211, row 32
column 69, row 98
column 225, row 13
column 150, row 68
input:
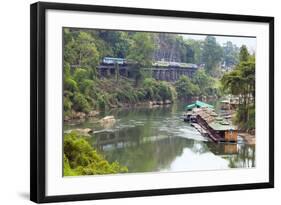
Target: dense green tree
column 230, row 54
column 140, row 53
column 80, row 158
column 185, row 88
column 244, row 54
column 80, row 74
column 196, row 50
column 69, row 83
column 231, row 82
column 69, row 46
column 171, row 47
column 117, row 41
column 80, row 50
column 84, row 49
column 241, row 82
column 211, row 55
column 157, row 90
column 80, row 102
column 121, row 46
column 87, row 54
column 202, row 80
column 141, row 49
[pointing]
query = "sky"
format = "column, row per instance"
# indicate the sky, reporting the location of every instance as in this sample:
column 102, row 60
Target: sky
column 238, row 41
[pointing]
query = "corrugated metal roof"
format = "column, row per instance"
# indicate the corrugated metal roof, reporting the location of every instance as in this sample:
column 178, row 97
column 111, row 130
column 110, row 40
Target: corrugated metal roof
column 221, row 127
column 199, row 104
column 215, row 122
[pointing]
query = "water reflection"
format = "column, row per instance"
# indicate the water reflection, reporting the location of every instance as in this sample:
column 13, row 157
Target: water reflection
column 147, row 140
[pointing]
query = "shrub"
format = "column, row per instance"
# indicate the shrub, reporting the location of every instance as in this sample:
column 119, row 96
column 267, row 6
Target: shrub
column 164, row 91
column 86, row 86
column 80, row 158
column 141, row 94
column 157, row 90
column 80, row 74
column 80, row 103
column 102, row 101
column 70, row 84
column 67, row 104
column 185, row 88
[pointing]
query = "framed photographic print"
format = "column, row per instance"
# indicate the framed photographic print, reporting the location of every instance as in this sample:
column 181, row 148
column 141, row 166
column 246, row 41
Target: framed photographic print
column 129, row 102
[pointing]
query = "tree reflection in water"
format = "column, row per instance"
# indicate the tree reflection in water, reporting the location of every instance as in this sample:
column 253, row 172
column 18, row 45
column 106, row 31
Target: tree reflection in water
column 149, row 140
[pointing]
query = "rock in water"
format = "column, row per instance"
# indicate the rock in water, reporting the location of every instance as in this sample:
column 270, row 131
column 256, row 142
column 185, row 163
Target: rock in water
column 108, row 121
column 168, row 102
column 79, row 115
column 85, row 130
column 81, row 131
column 93, row 113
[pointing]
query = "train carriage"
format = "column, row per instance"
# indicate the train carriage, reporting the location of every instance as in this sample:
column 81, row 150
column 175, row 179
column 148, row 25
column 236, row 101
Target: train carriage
column 111, row 61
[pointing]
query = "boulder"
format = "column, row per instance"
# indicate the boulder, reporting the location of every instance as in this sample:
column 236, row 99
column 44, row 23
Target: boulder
column 93, row 113
column 67, row 118
column 159, row 102
column 107, row 121
column 85, row 130
column 168, row 101
column 79, row 115
column 81, row 131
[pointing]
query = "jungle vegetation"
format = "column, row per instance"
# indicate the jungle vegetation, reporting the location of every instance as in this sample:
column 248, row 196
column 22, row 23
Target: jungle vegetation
column 80, row 158
column 241, row 82
column 85, row 90
column 84, row 49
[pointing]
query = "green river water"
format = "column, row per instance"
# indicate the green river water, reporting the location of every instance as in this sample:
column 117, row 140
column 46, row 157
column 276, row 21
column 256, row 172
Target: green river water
column 157, row 139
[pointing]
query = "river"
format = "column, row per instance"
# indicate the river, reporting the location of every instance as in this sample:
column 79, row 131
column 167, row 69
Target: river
column 156, row 139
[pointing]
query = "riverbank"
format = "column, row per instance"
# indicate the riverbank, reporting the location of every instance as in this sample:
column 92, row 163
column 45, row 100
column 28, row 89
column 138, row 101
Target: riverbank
column 156, row 139
column 72, row 116
column 81, row 116
column 248, row 138
column 110, row 94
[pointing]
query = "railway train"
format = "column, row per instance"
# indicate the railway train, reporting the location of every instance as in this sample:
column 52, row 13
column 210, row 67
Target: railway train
column 111, row 61
column 172, row 64
column 122, row 61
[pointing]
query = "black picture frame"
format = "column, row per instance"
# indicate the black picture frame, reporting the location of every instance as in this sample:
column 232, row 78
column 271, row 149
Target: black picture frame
column 38, row 100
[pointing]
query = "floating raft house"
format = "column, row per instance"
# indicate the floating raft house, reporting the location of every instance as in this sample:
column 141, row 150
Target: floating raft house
column 209, row 124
